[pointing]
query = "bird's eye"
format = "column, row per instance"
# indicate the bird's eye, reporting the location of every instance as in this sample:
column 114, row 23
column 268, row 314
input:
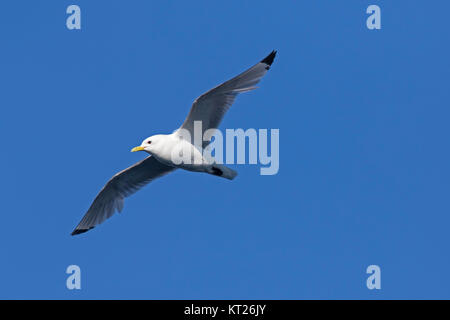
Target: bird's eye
column 149, row 142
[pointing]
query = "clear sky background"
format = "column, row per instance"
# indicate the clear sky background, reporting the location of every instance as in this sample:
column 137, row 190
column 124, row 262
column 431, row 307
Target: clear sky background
column 364, row 150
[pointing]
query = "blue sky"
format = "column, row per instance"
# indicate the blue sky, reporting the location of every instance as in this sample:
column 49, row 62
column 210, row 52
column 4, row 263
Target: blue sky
column 364, row 158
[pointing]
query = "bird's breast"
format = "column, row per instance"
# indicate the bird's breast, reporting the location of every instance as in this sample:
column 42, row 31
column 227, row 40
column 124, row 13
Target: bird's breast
column 181, row 154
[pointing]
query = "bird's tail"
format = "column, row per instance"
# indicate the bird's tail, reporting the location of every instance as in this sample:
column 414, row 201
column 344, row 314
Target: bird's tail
column 222, row 171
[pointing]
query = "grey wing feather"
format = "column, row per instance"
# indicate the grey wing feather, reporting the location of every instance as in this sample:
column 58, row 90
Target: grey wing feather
column 111, row 198
column 211, row 106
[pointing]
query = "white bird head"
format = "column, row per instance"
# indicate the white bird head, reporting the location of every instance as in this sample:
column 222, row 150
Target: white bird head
column 151, row 144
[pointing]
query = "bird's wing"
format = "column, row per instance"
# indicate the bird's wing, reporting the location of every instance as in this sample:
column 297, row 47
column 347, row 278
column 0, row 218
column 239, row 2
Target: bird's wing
column 122, row 185
column 211, row 106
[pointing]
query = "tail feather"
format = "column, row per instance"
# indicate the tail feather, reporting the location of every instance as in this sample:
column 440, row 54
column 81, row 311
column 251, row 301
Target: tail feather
column 223, row 171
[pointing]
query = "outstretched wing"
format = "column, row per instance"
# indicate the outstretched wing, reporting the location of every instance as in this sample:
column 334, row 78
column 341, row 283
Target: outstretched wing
column 211, row 106
column 122, row 185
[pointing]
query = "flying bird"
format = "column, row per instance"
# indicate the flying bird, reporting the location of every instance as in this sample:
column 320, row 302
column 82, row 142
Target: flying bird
column 209, row 108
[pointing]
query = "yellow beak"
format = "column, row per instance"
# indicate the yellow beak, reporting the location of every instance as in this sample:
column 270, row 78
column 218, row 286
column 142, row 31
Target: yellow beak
column 137, row 149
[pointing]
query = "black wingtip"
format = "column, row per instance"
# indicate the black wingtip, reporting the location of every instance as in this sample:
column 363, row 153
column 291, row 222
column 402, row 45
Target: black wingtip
column 80, row 231
column 269, row 59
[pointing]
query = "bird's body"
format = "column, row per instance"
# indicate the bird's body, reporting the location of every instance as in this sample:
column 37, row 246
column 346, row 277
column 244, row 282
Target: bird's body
column 172, row 143
column 166, row 150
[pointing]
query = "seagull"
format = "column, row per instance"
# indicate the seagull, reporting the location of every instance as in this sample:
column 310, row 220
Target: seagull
column 209, row 109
